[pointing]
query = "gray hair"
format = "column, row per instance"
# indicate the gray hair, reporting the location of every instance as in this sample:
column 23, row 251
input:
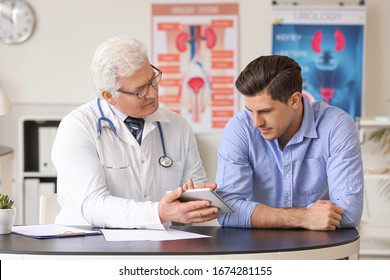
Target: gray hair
column 120, row 56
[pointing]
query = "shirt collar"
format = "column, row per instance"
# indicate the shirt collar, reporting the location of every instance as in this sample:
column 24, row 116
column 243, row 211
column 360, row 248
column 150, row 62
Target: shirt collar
column 308, row 126
column 157, row 116
column 118, row 113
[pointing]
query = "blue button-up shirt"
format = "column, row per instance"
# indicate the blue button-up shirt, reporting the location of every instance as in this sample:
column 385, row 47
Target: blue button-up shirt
column 321, row 161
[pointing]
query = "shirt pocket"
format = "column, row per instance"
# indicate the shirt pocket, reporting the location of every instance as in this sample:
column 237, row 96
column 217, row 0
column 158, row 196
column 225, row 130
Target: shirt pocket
column 312, row 180
column 171, row 177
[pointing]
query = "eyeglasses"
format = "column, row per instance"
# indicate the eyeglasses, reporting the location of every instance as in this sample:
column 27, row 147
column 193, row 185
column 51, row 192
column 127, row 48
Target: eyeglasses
column 145, row 89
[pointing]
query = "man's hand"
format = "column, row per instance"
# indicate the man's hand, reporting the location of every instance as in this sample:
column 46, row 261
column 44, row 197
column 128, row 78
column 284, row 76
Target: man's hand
column 170, row 209
column 323, row 215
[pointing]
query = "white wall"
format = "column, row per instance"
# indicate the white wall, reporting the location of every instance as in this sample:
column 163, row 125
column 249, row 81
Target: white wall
column 49, row 74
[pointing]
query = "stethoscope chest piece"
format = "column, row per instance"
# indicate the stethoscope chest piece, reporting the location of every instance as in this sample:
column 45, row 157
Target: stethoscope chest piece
column 165, row 161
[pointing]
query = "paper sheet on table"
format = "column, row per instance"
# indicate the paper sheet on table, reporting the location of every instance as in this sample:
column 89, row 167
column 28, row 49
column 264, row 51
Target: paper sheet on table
column 148, row 234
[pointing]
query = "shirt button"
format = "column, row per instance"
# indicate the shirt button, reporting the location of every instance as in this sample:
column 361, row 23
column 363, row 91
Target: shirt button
column 350, row 188
column 143, row 161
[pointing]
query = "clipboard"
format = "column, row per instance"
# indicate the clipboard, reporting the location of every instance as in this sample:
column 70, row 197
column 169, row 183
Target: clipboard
column 50, row 231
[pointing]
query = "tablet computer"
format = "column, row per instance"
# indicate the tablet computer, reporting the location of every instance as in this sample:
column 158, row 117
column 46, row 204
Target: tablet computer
column 207, row 194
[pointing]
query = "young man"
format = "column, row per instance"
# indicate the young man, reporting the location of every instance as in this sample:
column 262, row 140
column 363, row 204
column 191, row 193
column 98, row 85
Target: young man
column 286, row 163
column 118, row 155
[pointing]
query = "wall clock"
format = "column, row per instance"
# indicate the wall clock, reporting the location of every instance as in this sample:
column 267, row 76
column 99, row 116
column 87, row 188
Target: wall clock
column 17, row 21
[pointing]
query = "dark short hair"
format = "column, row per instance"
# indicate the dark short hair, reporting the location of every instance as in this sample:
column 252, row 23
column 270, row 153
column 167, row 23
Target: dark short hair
column 280, row 76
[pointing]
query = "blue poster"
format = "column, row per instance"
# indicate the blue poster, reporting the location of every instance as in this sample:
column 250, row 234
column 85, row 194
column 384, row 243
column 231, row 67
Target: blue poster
column 327, row 42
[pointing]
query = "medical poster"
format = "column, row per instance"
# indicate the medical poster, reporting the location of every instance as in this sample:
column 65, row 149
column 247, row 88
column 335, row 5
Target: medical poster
column 328, row 44
column 196, row 47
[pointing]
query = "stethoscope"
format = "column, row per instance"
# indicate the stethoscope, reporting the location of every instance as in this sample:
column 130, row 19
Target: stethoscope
column 164, row 160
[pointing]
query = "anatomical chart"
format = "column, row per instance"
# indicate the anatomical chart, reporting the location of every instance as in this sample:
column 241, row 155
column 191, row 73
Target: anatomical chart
column 196, row 48
column 327, row 42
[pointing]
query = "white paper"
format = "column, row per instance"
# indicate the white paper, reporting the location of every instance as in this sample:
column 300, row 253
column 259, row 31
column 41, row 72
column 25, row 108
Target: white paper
column 147, row 234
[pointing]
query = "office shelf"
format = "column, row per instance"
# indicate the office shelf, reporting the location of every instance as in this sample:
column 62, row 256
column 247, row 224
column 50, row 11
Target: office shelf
column 374, row 239
column 375, row 123
column 38, row 175
column 375, row 226
column 377, row 176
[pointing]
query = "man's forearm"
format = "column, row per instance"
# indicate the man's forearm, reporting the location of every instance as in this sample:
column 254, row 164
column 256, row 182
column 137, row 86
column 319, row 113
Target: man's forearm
column 269, row 217
column 323, row 215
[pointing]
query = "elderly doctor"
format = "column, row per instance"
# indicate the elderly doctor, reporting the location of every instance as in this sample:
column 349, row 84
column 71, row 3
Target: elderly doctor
column 118, row 155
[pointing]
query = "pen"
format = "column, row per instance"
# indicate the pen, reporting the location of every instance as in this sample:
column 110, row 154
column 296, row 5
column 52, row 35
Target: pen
column 70, row 233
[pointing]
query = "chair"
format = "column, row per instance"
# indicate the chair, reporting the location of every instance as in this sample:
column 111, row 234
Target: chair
column 48, row 208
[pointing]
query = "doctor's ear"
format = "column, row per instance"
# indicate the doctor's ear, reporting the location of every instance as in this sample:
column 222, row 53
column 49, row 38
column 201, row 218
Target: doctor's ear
column 108, row 96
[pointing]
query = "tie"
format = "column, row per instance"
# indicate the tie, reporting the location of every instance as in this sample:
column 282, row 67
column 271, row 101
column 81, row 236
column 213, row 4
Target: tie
column 135, row 126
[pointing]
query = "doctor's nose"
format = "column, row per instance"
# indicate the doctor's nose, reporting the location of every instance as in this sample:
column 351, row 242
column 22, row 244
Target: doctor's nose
column 152, row 91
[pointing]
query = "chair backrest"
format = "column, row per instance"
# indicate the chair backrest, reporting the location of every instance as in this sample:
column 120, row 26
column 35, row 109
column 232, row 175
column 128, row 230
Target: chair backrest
column 48, row 208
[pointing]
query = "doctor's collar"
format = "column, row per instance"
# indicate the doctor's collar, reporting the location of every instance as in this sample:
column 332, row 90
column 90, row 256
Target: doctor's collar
column 118, row 113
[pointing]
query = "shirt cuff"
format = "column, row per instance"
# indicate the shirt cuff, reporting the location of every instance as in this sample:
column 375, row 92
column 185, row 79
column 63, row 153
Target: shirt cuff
column 158, row 225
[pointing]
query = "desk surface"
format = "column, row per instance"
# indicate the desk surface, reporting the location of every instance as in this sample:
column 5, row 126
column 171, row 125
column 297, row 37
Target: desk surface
column 223, row 241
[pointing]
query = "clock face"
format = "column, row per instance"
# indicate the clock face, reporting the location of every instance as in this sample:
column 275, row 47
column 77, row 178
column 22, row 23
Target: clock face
column 17, row 21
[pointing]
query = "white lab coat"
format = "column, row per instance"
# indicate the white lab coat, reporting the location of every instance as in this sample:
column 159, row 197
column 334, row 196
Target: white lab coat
column 127, row 198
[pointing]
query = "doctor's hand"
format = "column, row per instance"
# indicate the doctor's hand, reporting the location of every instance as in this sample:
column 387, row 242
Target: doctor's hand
column 190, row 185
column 170, row 209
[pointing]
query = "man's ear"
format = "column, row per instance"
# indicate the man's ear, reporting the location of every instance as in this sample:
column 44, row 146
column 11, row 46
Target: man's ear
column 296, row 99
column 108, row 96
